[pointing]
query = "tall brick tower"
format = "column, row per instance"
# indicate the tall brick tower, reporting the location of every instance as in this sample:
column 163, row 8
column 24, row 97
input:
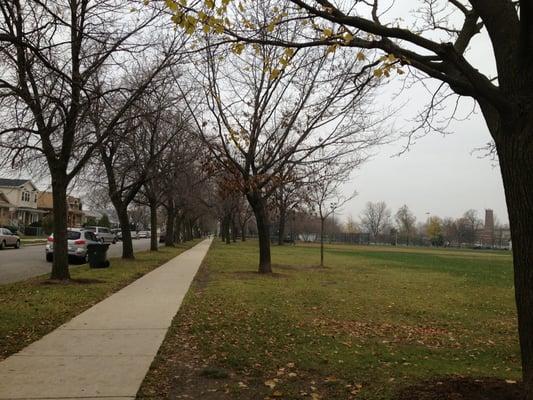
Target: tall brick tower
column 487, row 236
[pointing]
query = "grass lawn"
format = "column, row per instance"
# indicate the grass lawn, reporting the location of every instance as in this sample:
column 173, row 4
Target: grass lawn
column 32, row 308
column 373, row 323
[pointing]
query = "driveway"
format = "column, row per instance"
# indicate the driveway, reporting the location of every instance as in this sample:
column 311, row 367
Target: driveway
column 28, row 261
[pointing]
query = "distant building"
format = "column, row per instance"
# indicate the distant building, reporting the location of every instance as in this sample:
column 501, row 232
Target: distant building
column 45, row 202
column 491, row 235
column 487, row 237
column 18, row 202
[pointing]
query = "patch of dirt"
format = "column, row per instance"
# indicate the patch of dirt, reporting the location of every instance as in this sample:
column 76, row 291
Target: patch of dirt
column 300, row 267
column 255, row 274
column 78, row 281
column 459, row 388
column 202, row 277
column 429, row 336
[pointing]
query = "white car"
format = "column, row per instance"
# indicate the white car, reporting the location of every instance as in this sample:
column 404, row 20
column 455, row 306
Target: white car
column 8, row 238
column 144, row 234
column 77, row 240
column 103, row 234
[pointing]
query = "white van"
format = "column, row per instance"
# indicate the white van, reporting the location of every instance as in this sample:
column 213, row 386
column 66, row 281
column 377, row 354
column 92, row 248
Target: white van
column 104, row 235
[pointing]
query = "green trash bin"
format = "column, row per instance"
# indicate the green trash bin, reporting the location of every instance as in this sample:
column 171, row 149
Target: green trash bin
column 97, row 253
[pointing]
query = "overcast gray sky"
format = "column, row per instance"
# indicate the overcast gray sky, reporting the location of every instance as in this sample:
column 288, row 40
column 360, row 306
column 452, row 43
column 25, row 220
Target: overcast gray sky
column 438, row 175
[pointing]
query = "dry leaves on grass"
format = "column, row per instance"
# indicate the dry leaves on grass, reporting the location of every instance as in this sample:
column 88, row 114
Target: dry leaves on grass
column 428, row 336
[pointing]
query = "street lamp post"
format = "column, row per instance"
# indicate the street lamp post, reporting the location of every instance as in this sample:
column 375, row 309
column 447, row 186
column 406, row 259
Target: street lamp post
column 332, row 206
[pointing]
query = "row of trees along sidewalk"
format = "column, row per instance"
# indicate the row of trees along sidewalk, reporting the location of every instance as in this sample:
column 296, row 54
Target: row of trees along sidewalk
column 61, row 61
column 431, row 41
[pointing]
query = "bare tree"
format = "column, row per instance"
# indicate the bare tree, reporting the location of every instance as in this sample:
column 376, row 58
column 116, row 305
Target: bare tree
column 375, row 218
column 406, row 222
column 325, row 195
column 131, row 154
column 50, row 53
column 288, row 196
column 244, row 214
column 268, row 117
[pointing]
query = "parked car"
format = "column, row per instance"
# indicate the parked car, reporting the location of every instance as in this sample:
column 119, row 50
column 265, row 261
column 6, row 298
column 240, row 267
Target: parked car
column 144, row 234
column 134, row 235
column 77, row 240
column 8, row 238
column 117, row 233
column 103, row 234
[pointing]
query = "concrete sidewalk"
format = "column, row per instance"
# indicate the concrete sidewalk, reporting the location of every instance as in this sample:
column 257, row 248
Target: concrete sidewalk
column 106, row 351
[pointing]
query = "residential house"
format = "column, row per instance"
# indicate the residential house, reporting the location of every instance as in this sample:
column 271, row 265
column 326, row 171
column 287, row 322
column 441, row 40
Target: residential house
column 18, row 202
column 75, row 218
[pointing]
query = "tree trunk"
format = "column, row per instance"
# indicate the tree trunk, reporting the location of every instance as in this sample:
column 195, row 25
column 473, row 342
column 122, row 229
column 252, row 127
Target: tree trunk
column 190, row 235
column 243, row 232
column 258, row 205
column 233, row 230
column 124, row 221
column 322, row 221
column 281, row 227
column 515, row 152
column 171, row 217
column 227, row 236
column 178, row 229
column 153, row 224
column 60, row 269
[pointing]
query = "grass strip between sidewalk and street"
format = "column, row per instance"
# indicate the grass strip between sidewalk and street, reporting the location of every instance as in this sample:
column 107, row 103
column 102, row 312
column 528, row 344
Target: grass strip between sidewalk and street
column 376, row 323
column 32, row 308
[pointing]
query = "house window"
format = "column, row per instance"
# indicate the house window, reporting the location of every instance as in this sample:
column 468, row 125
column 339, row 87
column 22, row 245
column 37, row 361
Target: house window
column 26, row 196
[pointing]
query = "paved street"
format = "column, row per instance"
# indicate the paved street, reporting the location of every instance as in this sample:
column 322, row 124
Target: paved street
column 17, row 265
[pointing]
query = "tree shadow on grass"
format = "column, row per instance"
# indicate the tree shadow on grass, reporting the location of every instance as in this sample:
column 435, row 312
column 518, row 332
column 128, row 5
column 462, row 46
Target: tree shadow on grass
column 76, row 281
column 462, row 388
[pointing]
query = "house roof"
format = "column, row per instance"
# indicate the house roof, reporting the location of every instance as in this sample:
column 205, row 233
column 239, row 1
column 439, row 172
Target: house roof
column 12, row 182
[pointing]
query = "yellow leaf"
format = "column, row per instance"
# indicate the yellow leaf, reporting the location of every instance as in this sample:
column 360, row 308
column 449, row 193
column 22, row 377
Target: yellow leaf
column 289, row 52
column 274, row 74
column 241, row 7
column 348, row 38
column 219, row 28
column 171, row 4
column 238, row 48
column 210, row 4
column 360, row 56
column 378, row 72
column 327, row 32
column 331, row 49
column 270, row 383
column 202, row 16
column 271, row 26
column 146, row 2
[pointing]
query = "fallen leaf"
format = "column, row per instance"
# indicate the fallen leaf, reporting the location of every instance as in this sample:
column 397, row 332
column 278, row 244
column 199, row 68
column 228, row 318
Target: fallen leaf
column 271, row 384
